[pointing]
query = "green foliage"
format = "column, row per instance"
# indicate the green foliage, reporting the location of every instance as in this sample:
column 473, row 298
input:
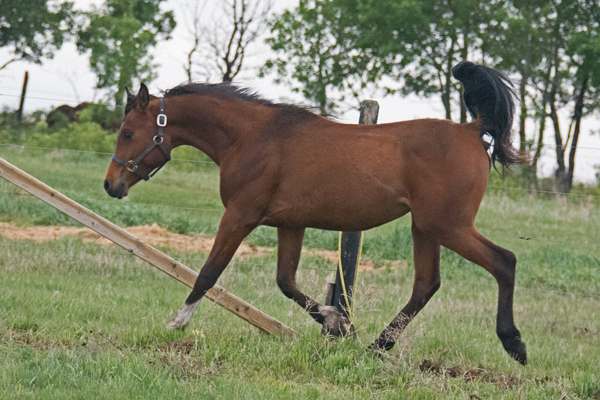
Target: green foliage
column 57, row 119
column 109, row 118
column 33, row 29
column 119, row 36
column 85, row 136
column 318, row 54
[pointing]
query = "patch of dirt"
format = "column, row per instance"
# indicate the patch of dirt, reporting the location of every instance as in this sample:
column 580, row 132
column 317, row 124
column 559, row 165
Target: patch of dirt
column 156, row 235
column 184, row 346
column 365, row 265
column 193, row 366
column 30, row 339
column 480, row 373
column 585, row 331
column 151, row 234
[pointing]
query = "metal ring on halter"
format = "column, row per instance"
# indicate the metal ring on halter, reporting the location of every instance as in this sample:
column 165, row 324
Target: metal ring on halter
column 131, row 166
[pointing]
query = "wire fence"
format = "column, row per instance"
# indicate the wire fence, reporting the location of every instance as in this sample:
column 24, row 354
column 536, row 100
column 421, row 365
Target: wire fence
column 240, row 263
column 331, row 270
column 221, row 210
column 548, row 192
column 530, row 145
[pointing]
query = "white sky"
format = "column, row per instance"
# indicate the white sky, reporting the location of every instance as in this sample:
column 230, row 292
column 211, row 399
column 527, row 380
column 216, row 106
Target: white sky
column 51, row 84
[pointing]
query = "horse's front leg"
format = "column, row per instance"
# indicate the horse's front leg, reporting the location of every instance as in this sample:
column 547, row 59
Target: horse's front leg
column 288, row 256
column 233, row 229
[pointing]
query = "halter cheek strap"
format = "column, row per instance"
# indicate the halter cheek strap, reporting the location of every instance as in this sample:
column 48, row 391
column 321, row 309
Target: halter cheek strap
column 132, row 165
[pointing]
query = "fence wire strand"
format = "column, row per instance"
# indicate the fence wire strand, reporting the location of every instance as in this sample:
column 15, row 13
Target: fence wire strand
column 505, row 188
column 332, row 270
column 564, row 147
column 92, row 152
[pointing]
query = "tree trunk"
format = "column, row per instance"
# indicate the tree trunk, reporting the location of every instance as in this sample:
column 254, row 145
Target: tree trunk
column 577, row 115
column 561, row 172
column 465, row 56
column 523, row 114
column 543, row 116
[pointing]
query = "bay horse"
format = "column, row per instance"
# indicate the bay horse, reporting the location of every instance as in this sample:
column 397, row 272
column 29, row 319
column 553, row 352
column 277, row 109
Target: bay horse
column 283, row 166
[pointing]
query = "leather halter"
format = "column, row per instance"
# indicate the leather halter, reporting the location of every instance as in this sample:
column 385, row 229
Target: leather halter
column 132, row 165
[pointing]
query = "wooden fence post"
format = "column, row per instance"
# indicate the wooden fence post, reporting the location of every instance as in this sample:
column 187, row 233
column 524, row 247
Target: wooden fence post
column 160, row 260
column 339, row 294
column 22, row 101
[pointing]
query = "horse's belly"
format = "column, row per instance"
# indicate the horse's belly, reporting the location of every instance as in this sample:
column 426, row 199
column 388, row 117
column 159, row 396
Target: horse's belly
column 344, row 213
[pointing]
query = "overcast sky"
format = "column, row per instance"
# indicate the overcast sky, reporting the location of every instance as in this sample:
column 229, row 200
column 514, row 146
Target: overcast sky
column 51, row 84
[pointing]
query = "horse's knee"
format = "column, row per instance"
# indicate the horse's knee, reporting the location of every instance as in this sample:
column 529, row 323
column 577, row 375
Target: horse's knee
column 288, row 288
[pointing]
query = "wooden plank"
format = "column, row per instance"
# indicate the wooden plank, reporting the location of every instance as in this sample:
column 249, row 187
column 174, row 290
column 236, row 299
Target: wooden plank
column 350, row 242
column 141, row 249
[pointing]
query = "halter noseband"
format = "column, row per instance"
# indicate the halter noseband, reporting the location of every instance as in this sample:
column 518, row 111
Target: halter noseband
column 132, row 165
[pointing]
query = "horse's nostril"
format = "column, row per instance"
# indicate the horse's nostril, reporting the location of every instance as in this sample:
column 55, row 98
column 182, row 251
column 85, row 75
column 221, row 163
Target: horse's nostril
column 106, row 185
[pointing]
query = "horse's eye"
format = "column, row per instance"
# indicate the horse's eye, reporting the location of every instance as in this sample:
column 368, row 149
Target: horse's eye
column 127, row 134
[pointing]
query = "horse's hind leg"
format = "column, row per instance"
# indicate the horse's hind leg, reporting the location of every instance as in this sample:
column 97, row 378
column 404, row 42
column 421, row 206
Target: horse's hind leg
column 426, row 283
column 288, row 256
column 501, row 263
column 232, row 230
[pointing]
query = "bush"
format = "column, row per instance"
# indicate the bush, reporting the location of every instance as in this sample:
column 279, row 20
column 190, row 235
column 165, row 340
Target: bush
column 87, row 136
column 57, row 120
column 108, row 118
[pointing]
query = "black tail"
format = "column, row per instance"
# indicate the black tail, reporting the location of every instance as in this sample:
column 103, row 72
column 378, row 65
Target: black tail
column 489, row 97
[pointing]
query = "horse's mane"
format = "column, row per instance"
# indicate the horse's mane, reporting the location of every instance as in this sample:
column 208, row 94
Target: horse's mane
column 217, row 89
column 288, row 111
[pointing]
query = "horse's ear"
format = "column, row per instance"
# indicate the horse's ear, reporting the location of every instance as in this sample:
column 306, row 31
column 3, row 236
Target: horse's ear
column 130, row 96
column 143, row 97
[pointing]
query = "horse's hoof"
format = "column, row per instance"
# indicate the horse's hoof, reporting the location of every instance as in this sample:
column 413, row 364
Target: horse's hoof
column 335, row 324
column 516, row 349
column 178, row 323
column 183, row 317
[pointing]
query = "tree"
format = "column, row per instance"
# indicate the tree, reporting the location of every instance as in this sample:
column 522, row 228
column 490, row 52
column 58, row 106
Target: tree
column 119, row 36
column 197, row 32
column 519, row 42
column 33, row 29
column 317, row 55
column 553, row 47
column 579, row 30
column 221, row 37
column 422, row 40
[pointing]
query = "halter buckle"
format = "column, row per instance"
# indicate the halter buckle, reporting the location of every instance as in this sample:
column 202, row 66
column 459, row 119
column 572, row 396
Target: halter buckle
column 161, row 120
column 131, row 166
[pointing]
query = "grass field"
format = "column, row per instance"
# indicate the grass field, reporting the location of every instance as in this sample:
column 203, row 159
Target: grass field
column 81, row 320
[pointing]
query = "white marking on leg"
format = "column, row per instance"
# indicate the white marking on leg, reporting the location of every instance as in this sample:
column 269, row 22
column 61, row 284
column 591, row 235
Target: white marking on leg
column 184, row 316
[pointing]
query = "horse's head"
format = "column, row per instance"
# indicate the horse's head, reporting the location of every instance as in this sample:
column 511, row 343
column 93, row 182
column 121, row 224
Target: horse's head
column 141, row 147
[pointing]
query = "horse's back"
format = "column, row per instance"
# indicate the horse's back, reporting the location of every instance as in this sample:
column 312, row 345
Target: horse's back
column 351, row 177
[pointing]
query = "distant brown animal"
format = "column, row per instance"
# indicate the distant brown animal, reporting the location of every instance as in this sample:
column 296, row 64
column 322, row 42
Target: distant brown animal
column 67, row 111
column 286, row 167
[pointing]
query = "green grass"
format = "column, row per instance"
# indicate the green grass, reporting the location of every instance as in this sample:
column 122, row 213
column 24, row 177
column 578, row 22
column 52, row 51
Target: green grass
column 82, row 320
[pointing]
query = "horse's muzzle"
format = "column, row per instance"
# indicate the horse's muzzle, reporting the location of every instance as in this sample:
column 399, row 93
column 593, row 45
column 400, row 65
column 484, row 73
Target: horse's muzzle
column 118, row 191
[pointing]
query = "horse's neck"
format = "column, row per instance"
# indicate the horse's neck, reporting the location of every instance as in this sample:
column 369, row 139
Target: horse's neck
column 214, row 125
